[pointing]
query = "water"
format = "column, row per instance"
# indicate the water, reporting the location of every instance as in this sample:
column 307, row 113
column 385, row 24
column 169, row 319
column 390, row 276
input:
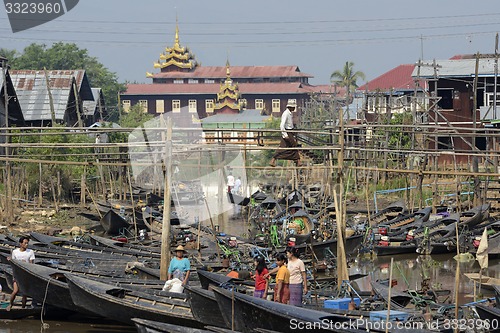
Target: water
column 72, row 324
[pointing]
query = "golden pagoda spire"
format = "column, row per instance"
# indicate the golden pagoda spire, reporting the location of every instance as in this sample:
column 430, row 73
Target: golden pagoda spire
column 228, row 70
column 176, row 58
column 176, row 41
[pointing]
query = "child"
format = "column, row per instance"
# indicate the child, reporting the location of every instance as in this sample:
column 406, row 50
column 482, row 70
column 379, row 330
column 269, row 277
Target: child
column 261, row 282
column 282, row 290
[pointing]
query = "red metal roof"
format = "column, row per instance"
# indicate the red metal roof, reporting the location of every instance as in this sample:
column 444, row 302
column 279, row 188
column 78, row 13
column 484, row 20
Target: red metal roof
column 397, row 79
column 213, row 72
column 326, row 89
column 214, row 88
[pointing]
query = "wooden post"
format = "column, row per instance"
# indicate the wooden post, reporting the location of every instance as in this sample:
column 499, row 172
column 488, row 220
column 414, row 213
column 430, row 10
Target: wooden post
column 475, row 162
column 8, row 198
column 133, row 204
column 51, row 100
column 387, row 318
column 165, row 230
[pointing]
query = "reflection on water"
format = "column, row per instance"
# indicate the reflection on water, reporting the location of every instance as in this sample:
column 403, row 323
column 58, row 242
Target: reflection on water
column 410, row 270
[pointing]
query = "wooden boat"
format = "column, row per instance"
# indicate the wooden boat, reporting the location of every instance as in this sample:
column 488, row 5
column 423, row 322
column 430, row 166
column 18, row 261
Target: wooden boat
column 115, row 244
column 17, row 312
column 398, row 299
column 216, row 280
column 43, row 283
column 204, row 306
column 271, row 315
column 113, row 223
column 387, row 214
column 490, row 314
column 485, row 281
column 394, row 248
column 122, row 305
column 323, row 249
column 151, row 326
column 407, row 221
column 474, row 216
column 54, row 242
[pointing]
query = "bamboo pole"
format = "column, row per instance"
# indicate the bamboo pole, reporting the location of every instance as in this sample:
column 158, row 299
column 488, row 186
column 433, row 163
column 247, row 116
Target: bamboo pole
column 387, row 318
column 165, row 230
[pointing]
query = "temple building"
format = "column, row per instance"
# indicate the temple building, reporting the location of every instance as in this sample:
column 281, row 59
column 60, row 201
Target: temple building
column 185, row 86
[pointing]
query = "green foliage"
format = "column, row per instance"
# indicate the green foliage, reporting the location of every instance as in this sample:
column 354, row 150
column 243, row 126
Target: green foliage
column 347, row 77
column 68, row 173
column 67, row 56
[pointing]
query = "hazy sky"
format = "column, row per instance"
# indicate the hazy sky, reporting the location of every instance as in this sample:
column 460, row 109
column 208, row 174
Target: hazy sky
column 317, row 35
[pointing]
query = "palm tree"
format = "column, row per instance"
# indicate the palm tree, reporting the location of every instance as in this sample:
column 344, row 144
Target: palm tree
column 347, row 78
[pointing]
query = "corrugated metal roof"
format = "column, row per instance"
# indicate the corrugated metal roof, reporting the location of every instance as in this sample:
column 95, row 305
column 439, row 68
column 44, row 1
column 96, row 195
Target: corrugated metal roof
column 237, row 72
column 247, row 116
column 214, row 88
column 31, row 88
column 89, row 107
column 397, row 79
column 457, row 68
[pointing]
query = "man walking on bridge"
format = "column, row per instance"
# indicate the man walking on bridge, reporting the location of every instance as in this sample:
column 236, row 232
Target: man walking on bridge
column 288, row 139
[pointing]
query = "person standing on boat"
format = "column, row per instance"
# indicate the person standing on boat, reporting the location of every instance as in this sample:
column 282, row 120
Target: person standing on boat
column 179, row 266
column 22, row 254
column 237, row 186
column 288, row 139
column 261, row 280
column 230, row 182
column 298, row 279
column 282, row 287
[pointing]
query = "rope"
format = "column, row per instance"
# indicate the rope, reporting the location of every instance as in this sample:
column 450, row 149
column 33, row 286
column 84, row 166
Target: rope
column 44, row 325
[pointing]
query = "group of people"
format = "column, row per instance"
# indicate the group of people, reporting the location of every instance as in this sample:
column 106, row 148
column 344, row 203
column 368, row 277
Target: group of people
column 291, row 281
column 233, row 184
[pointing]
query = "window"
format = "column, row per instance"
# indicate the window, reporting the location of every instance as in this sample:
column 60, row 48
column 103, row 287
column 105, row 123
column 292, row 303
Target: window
column 126, row 105
column 209, row 81
column 179, row 81
column 490, row 99
column 259, row 104
column 144, row 104
column 276, row 105
column 192, row 81
column 176, row 105
column 209, row 105
column 160, row 106
column 192, row 106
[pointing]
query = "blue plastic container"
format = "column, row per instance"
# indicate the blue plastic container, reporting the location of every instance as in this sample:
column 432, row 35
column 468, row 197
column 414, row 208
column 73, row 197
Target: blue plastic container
column 340, row 303
column 393, row 316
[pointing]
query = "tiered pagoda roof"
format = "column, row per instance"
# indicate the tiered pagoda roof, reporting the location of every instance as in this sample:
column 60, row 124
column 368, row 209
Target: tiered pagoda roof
column 227, row 98
column 175, row 58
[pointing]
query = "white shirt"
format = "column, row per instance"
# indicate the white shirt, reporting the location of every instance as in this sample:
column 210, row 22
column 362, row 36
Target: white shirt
column 237, row 185
column 286, row 122
column 26, row 256
column 230, row 180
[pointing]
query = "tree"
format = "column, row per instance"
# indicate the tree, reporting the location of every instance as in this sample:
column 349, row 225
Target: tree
column 347, row 78
column 69, row 56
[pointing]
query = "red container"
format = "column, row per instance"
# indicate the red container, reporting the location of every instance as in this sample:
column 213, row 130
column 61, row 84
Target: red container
column 383, row 243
